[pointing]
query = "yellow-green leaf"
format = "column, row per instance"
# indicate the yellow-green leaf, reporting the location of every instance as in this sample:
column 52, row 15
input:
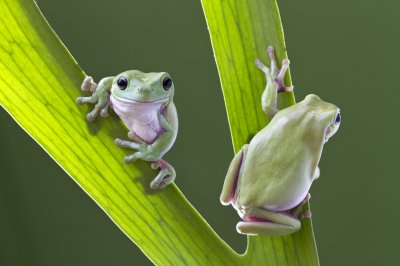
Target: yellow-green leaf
column 39, row 82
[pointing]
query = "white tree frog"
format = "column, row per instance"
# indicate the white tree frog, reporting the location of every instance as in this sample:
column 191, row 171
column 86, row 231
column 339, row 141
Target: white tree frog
column 269, row 178
column 144, row 103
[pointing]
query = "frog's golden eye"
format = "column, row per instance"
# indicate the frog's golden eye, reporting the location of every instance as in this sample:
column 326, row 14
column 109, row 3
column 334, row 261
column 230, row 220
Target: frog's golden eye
column 122, row 83
column 167, row 83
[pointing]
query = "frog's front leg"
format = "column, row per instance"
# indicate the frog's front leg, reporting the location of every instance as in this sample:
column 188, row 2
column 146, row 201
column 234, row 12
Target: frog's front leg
column 153, row 153
column 275, row 83
column 132, row 145
column 264, row 222
column 167, row 173
column 100, row 96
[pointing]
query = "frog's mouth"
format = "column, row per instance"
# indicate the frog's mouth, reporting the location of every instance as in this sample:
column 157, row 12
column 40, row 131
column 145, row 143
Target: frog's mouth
column 120, row 99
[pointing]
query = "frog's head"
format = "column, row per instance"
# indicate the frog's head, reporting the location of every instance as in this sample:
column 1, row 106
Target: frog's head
column 326, row 114
column 134, row 85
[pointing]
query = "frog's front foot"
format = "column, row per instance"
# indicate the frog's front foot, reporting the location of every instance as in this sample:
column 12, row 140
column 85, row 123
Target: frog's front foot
column 166, row 175
column 101, row 101
column 88, row 84
column 274, row 74
column 140, row 154
column 275, row 83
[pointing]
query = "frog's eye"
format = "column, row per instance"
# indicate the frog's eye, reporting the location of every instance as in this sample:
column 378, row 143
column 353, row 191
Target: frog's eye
column 337, row 119
column 122, row 83
column 167, row 83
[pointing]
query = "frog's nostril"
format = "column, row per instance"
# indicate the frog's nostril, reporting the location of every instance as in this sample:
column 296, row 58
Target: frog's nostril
column 143, row 89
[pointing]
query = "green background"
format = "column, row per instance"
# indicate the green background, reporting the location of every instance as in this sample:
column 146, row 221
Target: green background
column 344, row 51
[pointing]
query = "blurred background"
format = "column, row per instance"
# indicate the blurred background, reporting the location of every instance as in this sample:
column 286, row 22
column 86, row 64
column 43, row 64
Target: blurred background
column 344, row 51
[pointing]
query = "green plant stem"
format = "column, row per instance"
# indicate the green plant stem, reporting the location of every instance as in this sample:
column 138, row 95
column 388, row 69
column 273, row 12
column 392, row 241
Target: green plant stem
column 39, row 82
column 240, row 32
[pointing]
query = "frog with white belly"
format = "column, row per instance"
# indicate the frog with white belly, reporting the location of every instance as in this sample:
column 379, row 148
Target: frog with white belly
column 269, row 178
column 144, row 102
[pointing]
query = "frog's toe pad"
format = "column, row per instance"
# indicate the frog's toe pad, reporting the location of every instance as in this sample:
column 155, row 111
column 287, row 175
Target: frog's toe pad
column 132, row 157
column 306, row 214
column 91, row 117
column 88, row 84
column 270, row 50
column 154, row 185
column 261, row 66
column 165, row 177
column 104, row 113
column 155, row 165
column 285, row 88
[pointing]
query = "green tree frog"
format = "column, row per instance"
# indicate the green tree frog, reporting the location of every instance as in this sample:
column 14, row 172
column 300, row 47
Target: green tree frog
column 143, row 101
column 268, row 179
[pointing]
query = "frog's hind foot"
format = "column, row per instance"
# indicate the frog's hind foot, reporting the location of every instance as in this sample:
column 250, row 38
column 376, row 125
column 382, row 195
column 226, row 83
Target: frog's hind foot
column 274, row 74
column 269, row 223
column 165, row 177
column 305, row 215
column 296, row 211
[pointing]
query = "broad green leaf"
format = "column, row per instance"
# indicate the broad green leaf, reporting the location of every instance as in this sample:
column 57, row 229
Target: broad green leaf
column 240, row 32
column 39, row 82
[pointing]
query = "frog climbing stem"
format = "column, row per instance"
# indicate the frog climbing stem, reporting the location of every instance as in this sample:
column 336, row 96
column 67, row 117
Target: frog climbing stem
column 269, row 184
column 144, row 103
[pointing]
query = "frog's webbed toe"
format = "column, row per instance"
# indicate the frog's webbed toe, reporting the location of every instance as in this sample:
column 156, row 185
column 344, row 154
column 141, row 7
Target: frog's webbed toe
column 275, row 82
column 264, row 222
column 165, row 177
column 305, row 215
column 167, row 173
column 296, row 211
column 274, row 74
column 127, row 144
column 91, row 116
column 105, row 109
column 100, row 98
column 281, row 76
column 88, row 84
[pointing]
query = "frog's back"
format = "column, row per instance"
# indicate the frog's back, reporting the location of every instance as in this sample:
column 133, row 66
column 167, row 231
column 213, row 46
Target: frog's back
column 278, row 168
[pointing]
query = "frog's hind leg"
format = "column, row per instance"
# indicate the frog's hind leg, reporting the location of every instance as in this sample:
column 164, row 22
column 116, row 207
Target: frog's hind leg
column 232, row 176
column 275, row 82
column 264, row 222
column 166, row 175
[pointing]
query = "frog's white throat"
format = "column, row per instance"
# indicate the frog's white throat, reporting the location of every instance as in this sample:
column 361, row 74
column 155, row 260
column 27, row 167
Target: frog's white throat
column 140, row 117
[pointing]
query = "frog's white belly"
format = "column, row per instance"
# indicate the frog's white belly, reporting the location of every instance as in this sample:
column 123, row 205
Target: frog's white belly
column 140, row 117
